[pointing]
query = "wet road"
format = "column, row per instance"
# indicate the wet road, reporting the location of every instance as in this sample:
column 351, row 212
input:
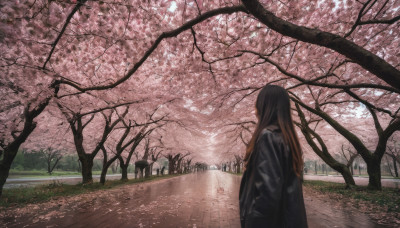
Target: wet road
column 207, row 199
column 391, row 183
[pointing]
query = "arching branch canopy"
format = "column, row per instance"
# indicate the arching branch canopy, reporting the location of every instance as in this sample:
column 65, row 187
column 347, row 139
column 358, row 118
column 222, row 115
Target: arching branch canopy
column 358, row 54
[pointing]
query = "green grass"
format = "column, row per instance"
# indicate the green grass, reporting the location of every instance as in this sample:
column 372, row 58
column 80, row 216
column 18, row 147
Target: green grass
column 388, row 198
column 22, row 196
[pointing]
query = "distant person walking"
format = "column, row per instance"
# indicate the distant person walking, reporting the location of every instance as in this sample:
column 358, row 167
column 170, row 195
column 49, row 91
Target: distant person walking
column 271, row 191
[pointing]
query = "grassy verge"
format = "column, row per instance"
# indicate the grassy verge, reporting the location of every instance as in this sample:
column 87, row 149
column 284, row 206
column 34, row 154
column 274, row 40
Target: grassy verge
column 237, row 174
column 355, row 175
column 388, row 199
column 22, row 196
column 42, row 173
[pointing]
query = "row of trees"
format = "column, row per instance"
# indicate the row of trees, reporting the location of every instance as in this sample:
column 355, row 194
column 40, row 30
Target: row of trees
column 389, row 166
column 118, row 141
column 358, row 168
column 65, row 162
column 339, row 158
column 47, row 159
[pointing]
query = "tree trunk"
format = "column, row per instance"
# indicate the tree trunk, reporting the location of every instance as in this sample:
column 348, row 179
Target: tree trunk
column 315, row 167
column 136, row 172
column 49, row 168
column 114, row 168
column 179, row 166
column 342, row 169
column 141, row 173
column 103, row 175
column 171, row 164
column 147, row 171
column 4, row 171
column 5, row 164
column 87, row 165
column 374, row 172
column 104, row 170
column 106, row 166
column 389, row 168
column 238, row 167
column 395, row 166
column 347, row 176
column 124, row 172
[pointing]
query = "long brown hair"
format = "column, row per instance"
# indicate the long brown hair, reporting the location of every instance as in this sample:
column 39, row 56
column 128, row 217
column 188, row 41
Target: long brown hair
column 273, row 107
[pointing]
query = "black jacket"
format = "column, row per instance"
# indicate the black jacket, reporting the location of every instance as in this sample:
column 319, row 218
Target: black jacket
column 270, row 192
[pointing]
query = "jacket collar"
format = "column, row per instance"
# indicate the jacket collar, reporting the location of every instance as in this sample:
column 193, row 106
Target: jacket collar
column 273, row 127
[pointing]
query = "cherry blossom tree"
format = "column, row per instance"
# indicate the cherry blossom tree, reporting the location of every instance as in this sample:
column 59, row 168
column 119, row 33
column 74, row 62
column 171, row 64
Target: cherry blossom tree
column 321, row 148
column 52, row 158
column 145, row 129
column 350, row 157
column 78, row 123
column 16, row 131
column 153, row 153
column 80, row 53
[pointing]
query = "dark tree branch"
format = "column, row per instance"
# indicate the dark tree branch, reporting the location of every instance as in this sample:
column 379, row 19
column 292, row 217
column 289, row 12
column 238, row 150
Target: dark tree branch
column 164, row 35
column 353, row 139
column 111, row 107
column 359, row 55
column 314, row 81
column 54, row 44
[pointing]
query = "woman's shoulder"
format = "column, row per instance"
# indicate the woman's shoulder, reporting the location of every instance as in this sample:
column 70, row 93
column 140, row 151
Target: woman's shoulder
column 272, row 133
column 271, row 140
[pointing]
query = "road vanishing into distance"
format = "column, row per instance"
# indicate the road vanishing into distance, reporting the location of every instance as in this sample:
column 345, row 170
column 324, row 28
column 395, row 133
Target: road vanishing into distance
column 204, row 199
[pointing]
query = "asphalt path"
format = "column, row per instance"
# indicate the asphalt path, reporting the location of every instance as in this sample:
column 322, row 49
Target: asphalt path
column 203, row 199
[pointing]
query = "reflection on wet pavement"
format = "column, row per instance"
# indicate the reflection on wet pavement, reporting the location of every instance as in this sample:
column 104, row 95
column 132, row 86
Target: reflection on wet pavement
column 207, row 199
